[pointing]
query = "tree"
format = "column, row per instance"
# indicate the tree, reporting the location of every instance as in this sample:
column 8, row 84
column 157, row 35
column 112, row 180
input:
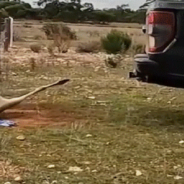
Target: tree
column 104, row 16
column 148, row 2
column 122, row 7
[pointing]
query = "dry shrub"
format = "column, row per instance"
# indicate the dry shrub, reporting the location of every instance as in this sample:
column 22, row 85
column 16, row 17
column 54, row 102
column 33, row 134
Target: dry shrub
column 50, row 49
column 5, row 68
column 36, row 48
column 51, row 29
column 61, row 36
column 93, row 33
column 32, row 63
column 113, row 61
column 62, row 42
column 17, row 36
column 27, row 25
column 38, row 37
column 92, row 46
column 138, row 48
column 10, row 171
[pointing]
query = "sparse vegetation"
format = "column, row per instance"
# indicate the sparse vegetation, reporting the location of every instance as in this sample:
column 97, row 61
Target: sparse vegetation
column 138, row 48
column 116, row 41
column 104, row 126
column 113, row 61
column 36, row 48
column 94, row 33
column 50, row 49
column 38, row 37
column 61, row 36
column 17, row 36
column 27, row 25
column 51, row 30
column 91, row 46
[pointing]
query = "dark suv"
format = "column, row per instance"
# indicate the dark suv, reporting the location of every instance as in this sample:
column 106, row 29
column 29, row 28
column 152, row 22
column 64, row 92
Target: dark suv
column 164, row 59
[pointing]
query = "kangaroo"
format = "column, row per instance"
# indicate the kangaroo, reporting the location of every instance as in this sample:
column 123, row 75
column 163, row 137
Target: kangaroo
column 8, row 103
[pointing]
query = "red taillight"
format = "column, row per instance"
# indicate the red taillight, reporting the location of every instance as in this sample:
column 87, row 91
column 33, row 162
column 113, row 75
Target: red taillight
column 160, row 30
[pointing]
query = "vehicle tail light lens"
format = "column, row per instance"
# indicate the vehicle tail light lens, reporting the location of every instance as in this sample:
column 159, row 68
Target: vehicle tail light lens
column 160, row 30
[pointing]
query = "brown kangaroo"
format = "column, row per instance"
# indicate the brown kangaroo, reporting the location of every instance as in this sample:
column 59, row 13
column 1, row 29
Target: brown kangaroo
column 8, row 103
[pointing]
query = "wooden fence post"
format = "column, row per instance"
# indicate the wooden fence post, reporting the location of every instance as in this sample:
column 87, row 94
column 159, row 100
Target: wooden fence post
column 8, row 33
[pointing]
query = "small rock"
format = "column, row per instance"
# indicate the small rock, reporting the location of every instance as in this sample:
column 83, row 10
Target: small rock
column 14, row 74
column 77, row 87
column 169, row 151
column 97, row 68
column 181, row 142
column 178, row 177
column 18, row 179
column 21, row 138
column 177, row 166
column 51, row 166
column 88, row 135
column 87, row 163
column 45, row 182
column 75, row 169
column 66, row 177
column 94, row 171
column 92, row 97
column 138, row 173
column 87, row 169
column 54, row 182
column 7, row 183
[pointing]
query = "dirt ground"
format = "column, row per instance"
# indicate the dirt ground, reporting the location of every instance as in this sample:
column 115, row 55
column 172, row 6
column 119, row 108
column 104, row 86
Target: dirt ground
column 20, row 54
column 100, row 128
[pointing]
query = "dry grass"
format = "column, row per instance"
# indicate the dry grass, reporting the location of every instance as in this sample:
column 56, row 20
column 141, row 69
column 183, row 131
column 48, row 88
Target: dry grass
column 94, row 33
column 17, row 36
column 138, row 48
column 62, row 42
column 8, row 170
column 36, row 48
column 100, row 122
column 38, row 37
column 92, row 46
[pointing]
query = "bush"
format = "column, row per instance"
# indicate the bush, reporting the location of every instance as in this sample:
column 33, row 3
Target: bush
column 51, row 29
column 116, row 41
column 103, row 16
column 21, row 13
column 60, row 34
column 93, row 46
column 13, row 9
column 62, row 43
column 36, row 48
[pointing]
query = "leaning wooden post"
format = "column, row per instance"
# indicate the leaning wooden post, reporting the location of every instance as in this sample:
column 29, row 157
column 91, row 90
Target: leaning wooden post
column 2, row 39
column 8, row 33
column 11, row 31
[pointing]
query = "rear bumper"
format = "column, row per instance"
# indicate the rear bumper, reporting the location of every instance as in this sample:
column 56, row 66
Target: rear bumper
column 147, row 70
